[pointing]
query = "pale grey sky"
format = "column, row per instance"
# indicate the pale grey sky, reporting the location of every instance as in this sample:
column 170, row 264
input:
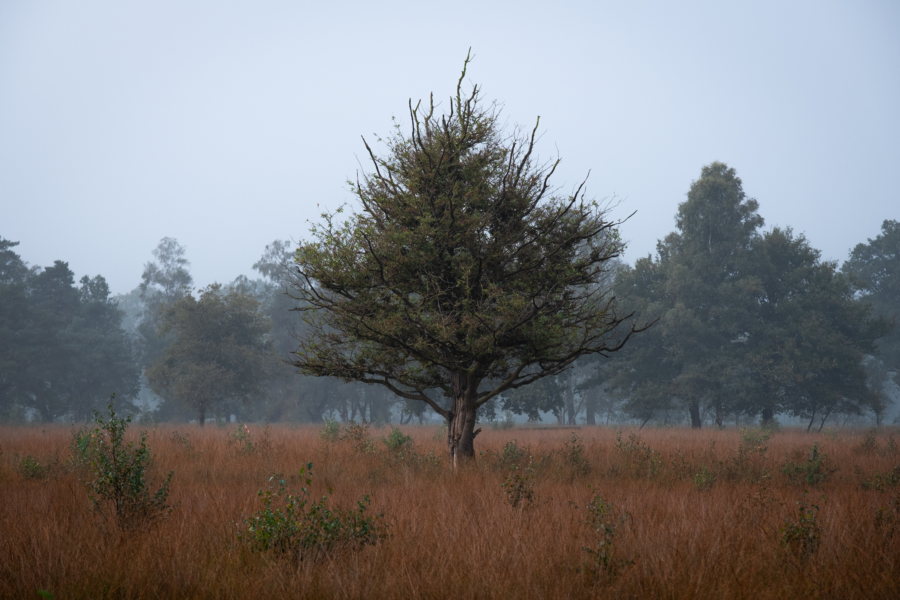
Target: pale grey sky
column 223, row 124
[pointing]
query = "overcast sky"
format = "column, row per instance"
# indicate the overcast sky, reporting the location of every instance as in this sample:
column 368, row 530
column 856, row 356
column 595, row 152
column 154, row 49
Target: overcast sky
column 223, row 124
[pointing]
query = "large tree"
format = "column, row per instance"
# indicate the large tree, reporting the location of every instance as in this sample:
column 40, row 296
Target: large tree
column 462, row 271
column 218, row 355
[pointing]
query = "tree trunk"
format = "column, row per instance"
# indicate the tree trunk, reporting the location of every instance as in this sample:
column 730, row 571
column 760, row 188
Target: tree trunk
column 696, row 422
column 768, row 415
column 461, row 420
column 201, row 416
column 720, row 415
column 570, row 399
column 590, row 405
column 825, row 418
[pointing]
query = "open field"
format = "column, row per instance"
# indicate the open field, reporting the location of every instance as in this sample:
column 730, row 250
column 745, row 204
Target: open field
column 707, row 516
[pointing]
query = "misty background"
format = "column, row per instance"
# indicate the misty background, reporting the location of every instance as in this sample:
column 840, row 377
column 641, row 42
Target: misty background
column 225, row 126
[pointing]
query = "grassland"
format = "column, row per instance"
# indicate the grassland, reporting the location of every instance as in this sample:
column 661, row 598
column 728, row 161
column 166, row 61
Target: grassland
column 709, row 514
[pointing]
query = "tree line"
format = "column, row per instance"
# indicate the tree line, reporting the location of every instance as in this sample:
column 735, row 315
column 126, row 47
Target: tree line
column 467, row 286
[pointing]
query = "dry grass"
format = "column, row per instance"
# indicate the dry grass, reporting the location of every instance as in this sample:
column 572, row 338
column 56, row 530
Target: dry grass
column 454, row 534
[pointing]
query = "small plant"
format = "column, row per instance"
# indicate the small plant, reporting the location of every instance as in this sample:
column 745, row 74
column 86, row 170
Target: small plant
column 81, row 448
column 639, row 457
column 881, row 481
column 604, row 520
column 869, row 443
column 242, row 439
column 887, row 518
column 293, row 524
column 573, row 456
column 441, row 434
column 519, row 489
column 331, row 432
column 183, row 441
column 358, row 436
column 704, row 479
column 31, row 468
column 814, row 471
column 396, row 441
column 803, row 535
column 511, row 455
column 120, row 488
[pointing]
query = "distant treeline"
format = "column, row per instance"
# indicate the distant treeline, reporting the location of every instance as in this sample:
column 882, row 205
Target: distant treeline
column 747, row 324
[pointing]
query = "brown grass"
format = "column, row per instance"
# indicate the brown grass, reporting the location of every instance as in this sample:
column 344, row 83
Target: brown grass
column 454, row 534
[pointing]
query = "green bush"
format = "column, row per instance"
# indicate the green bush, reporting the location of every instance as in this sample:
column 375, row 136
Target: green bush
column 292, row 524
column 31, row 468
column 604, row 520
column 396, row 441
column 883, row 481
column 704, row 479
column 519, row 489
column 120, row 488
column 803, row 535
column 358, row 436
column 573, row 456
column 331, row 432
column 814, row 471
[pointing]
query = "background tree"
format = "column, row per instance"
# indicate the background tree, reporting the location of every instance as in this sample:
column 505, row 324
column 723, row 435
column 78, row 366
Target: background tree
column 219, row 353
column 875, row 270
column 463, row 271
column 697, row 288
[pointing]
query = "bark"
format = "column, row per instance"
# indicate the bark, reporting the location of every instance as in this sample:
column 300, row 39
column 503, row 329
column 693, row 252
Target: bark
column 720, row 416
column 570, row 399
column 590, row 405
column 768, row 415
column 461, row 419
column 201, row 417
column 825, row 418
column 696, row 422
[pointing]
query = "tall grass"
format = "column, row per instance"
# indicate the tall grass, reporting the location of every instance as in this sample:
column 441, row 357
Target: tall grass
column 456, row 535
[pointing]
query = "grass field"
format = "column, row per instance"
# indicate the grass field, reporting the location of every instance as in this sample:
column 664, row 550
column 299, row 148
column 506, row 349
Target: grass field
column 709, row 514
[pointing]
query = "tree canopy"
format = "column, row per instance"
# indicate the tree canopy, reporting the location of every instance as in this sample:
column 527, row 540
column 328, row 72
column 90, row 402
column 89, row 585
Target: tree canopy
column 463, row 270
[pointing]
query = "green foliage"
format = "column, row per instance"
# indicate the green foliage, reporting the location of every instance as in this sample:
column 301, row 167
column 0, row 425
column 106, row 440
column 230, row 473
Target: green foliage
column 295, row 525
column 32, row 468
column 182, row 440
column 219, row 352
column 460, row 269
column 519, row 488
column 120, row 488
column 511, row 455
column 882, row 481
column 803, row 535
column 241, row 439
column 814, row 471
column 331, row 432
column 604, row 520
column 887, row 518
column 573, row 456
column 640, row 458
column 396, row 441
column 704, row 479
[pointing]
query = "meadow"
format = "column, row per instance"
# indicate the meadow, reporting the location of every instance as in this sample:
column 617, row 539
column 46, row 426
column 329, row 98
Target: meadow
column 553, row 513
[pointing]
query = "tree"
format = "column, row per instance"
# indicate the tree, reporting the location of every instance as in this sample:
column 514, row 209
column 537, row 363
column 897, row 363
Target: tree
column 874, row 268
column 218, row 354
column 805, row 354
column 62, row 348
column 463, row 270
column 696, row 287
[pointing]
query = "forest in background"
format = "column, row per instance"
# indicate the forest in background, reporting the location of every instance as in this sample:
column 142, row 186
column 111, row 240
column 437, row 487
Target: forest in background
column 749, row 324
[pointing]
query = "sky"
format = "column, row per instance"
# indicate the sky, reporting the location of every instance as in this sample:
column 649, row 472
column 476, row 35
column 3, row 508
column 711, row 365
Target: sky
column 224, row 124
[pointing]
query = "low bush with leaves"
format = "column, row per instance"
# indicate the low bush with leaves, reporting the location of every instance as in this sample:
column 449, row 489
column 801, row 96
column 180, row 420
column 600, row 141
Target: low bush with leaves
column 331, row 432
column 704, row 479
column 640, row 458
column 120, row 488
column 803, row 535
column 295, row 525
column 816, row 469
column 396, row 441
column 882, row 481
column 573, row 456
column 241, row 439
column 519, row 488
column 30, row 467
column 604, row 520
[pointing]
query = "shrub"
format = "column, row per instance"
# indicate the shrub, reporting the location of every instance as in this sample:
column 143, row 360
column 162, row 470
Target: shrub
column 396, row 441
column 519, row 489
column 120, row 488
column 292, row 524
column 358, row 436
column 803, row 535
column 573, row 456
column 242, row 440
column 704, row 479
column 331, row 432
column 881, row 482
column 31, row 468
column 639, row 457
column 814, row 471
column 604, row 520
